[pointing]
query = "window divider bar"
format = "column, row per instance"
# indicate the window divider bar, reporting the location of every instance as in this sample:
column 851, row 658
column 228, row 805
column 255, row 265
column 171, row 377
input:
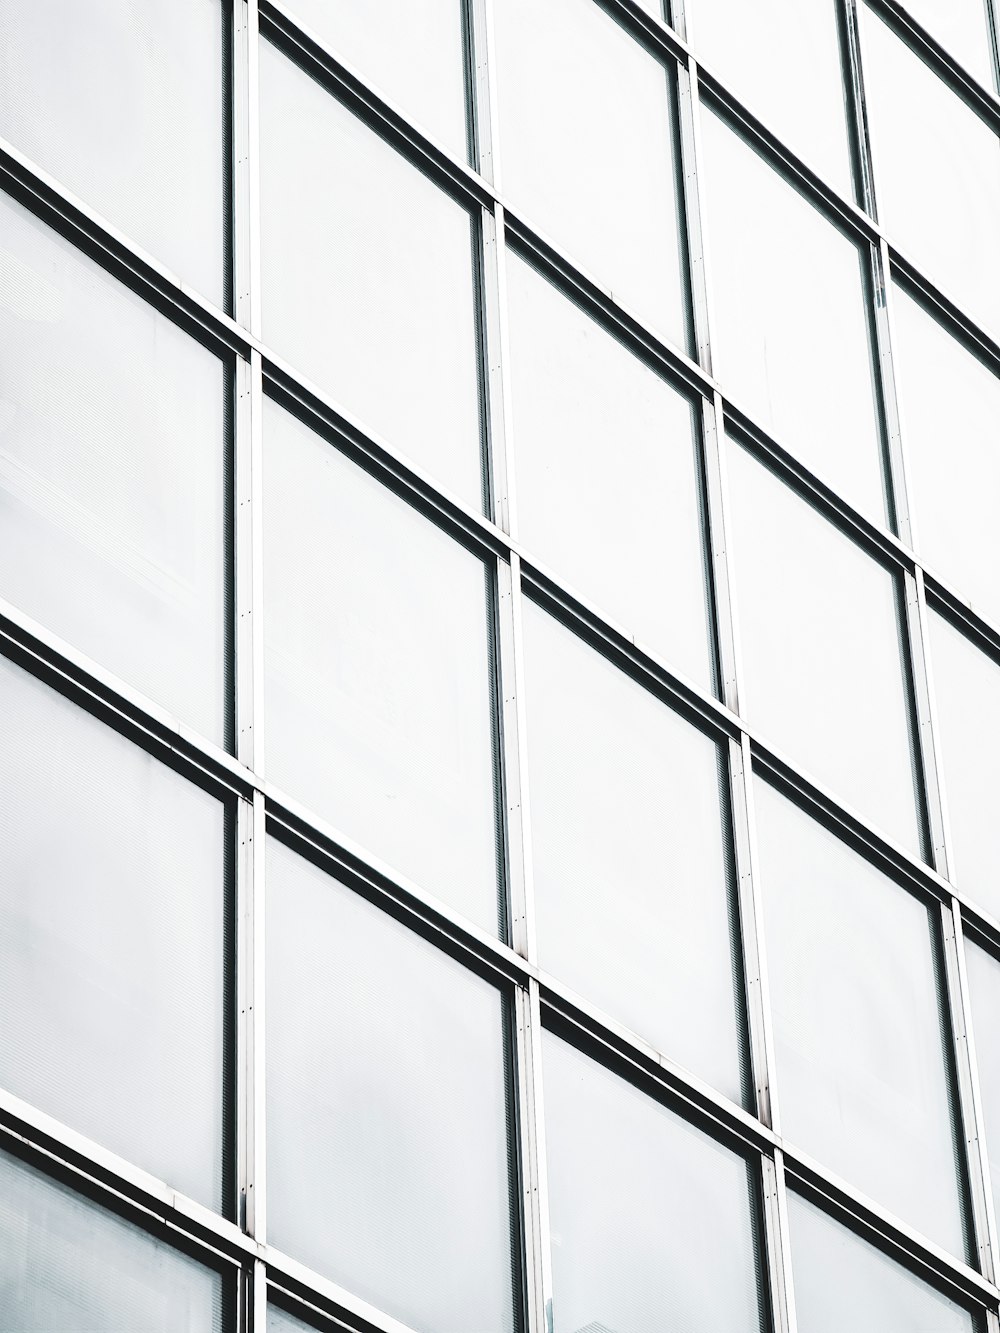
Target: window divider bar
column 777, row 1243
column 975, row 1120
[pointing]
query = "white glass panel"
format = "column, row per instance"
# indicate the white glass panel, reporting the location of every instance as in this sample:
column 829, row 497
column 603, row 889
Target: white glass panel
column 607, row 473
column 122, row 101
column 950, row 404
column 791, row 342
column 967, row 693
column 112, row 474
column 377, row 650
column 112, row 939
column 629, row 850
column 387, row 1136
column 860, row 1038
column 937, row 173
column 588, row 152
column 381, row 40
column 783, row 59
column 842, row 1282
column 653, row 1225
column 368, row 285
column 822, row 654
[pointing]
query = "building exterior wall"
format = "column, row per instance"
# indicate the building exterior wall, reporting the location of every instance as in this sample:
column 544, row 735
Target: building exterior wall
column 499, row 666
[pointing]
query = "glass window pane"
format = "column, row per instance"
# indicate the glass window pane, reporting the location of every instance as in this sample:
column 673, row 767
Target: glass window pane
column 368, row 284
column 822, row 654
column 791, row 341
column 123, row 103
column 377, row 654
column 642, row 1208
column 280, row 1321
column 950, row 404
column 629, row 834
column 937, row 173
column 783, row 59
column 596, row 172
column 112, row 473
column 967, row 694
column 984, row 990
column 843, row 1282
column 112, row 939
column 962, row 28
column 380, row 42
column 387, row 1137
column 859, row 1028
column 607, row 473
column 66, row 1263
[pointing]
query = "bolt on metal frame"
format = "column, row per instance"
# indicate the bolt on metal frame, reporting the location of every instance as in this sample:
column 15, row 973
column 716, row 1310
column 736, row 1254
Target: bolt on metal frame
column 241, row 1245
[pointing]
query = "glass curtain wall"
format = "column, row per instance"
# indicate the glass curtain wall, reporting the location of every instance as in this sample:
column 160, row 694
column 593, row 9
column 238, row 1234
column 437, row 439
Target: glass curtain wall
column 499, row 666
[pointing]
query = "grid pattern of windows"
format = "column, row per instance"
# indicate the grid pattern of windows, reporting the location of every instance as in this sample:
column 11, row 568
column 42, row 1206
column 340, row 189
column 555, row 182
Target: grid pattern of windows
column 499, row 666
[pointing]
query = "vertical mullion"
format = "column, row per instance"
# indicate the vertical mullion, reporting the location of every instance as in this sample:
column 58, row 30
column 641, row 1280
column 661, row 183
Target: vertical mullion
column 858, row 107
column 249, row 654
column 778, row 1273
column 778, row 1243
column 517, row 865
column 988, row 1230
column 969, row 1109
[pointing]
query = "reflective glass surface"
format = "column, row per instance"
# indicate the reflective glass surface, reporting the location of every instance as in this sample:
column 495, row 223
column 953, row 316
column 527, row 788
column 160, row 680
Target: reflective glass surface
column 607, row 474
column 367, row 280
column 112, row 939
column 67, row 1264
column 983, row 971
column 962, row 28
column 791, row 338
column 122, row 102
column 377, row 656
column 967, row 694
column 629, row 851
column 842, row 1282
column 950, row 406
column 859, row 1031
column 822, row 653
column 112, row 474
column 588, row 152
column 782, row 58
column 387, row 1136
column 642, row 1206
column 380, row 42
column 937, row 173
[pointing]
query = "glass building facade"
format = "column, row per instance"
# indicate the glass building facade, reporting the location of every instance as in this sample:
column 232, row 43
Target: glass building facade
column 499, row 666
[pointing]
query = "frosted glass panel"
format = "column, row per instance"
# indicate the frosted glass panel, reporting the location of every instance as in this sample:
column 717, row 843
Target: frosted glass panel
column 377, row 651
column 122, row 101
column 112, row 940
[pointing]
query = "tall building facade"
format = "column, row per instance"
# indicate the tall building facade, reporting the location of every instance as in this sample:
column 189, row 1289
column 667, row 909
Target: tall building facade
column 499, row 666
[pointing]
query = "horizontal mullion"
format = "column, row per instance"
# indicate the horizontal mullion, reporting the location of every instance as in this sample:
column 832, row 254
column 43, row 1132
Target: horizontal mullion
column 316, row 1295
column 868, row 1219
column 371, row 105
column 95, row 236
column 950, row 71
column 106, row 696
column 114, row 1183
column 653, row 1073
